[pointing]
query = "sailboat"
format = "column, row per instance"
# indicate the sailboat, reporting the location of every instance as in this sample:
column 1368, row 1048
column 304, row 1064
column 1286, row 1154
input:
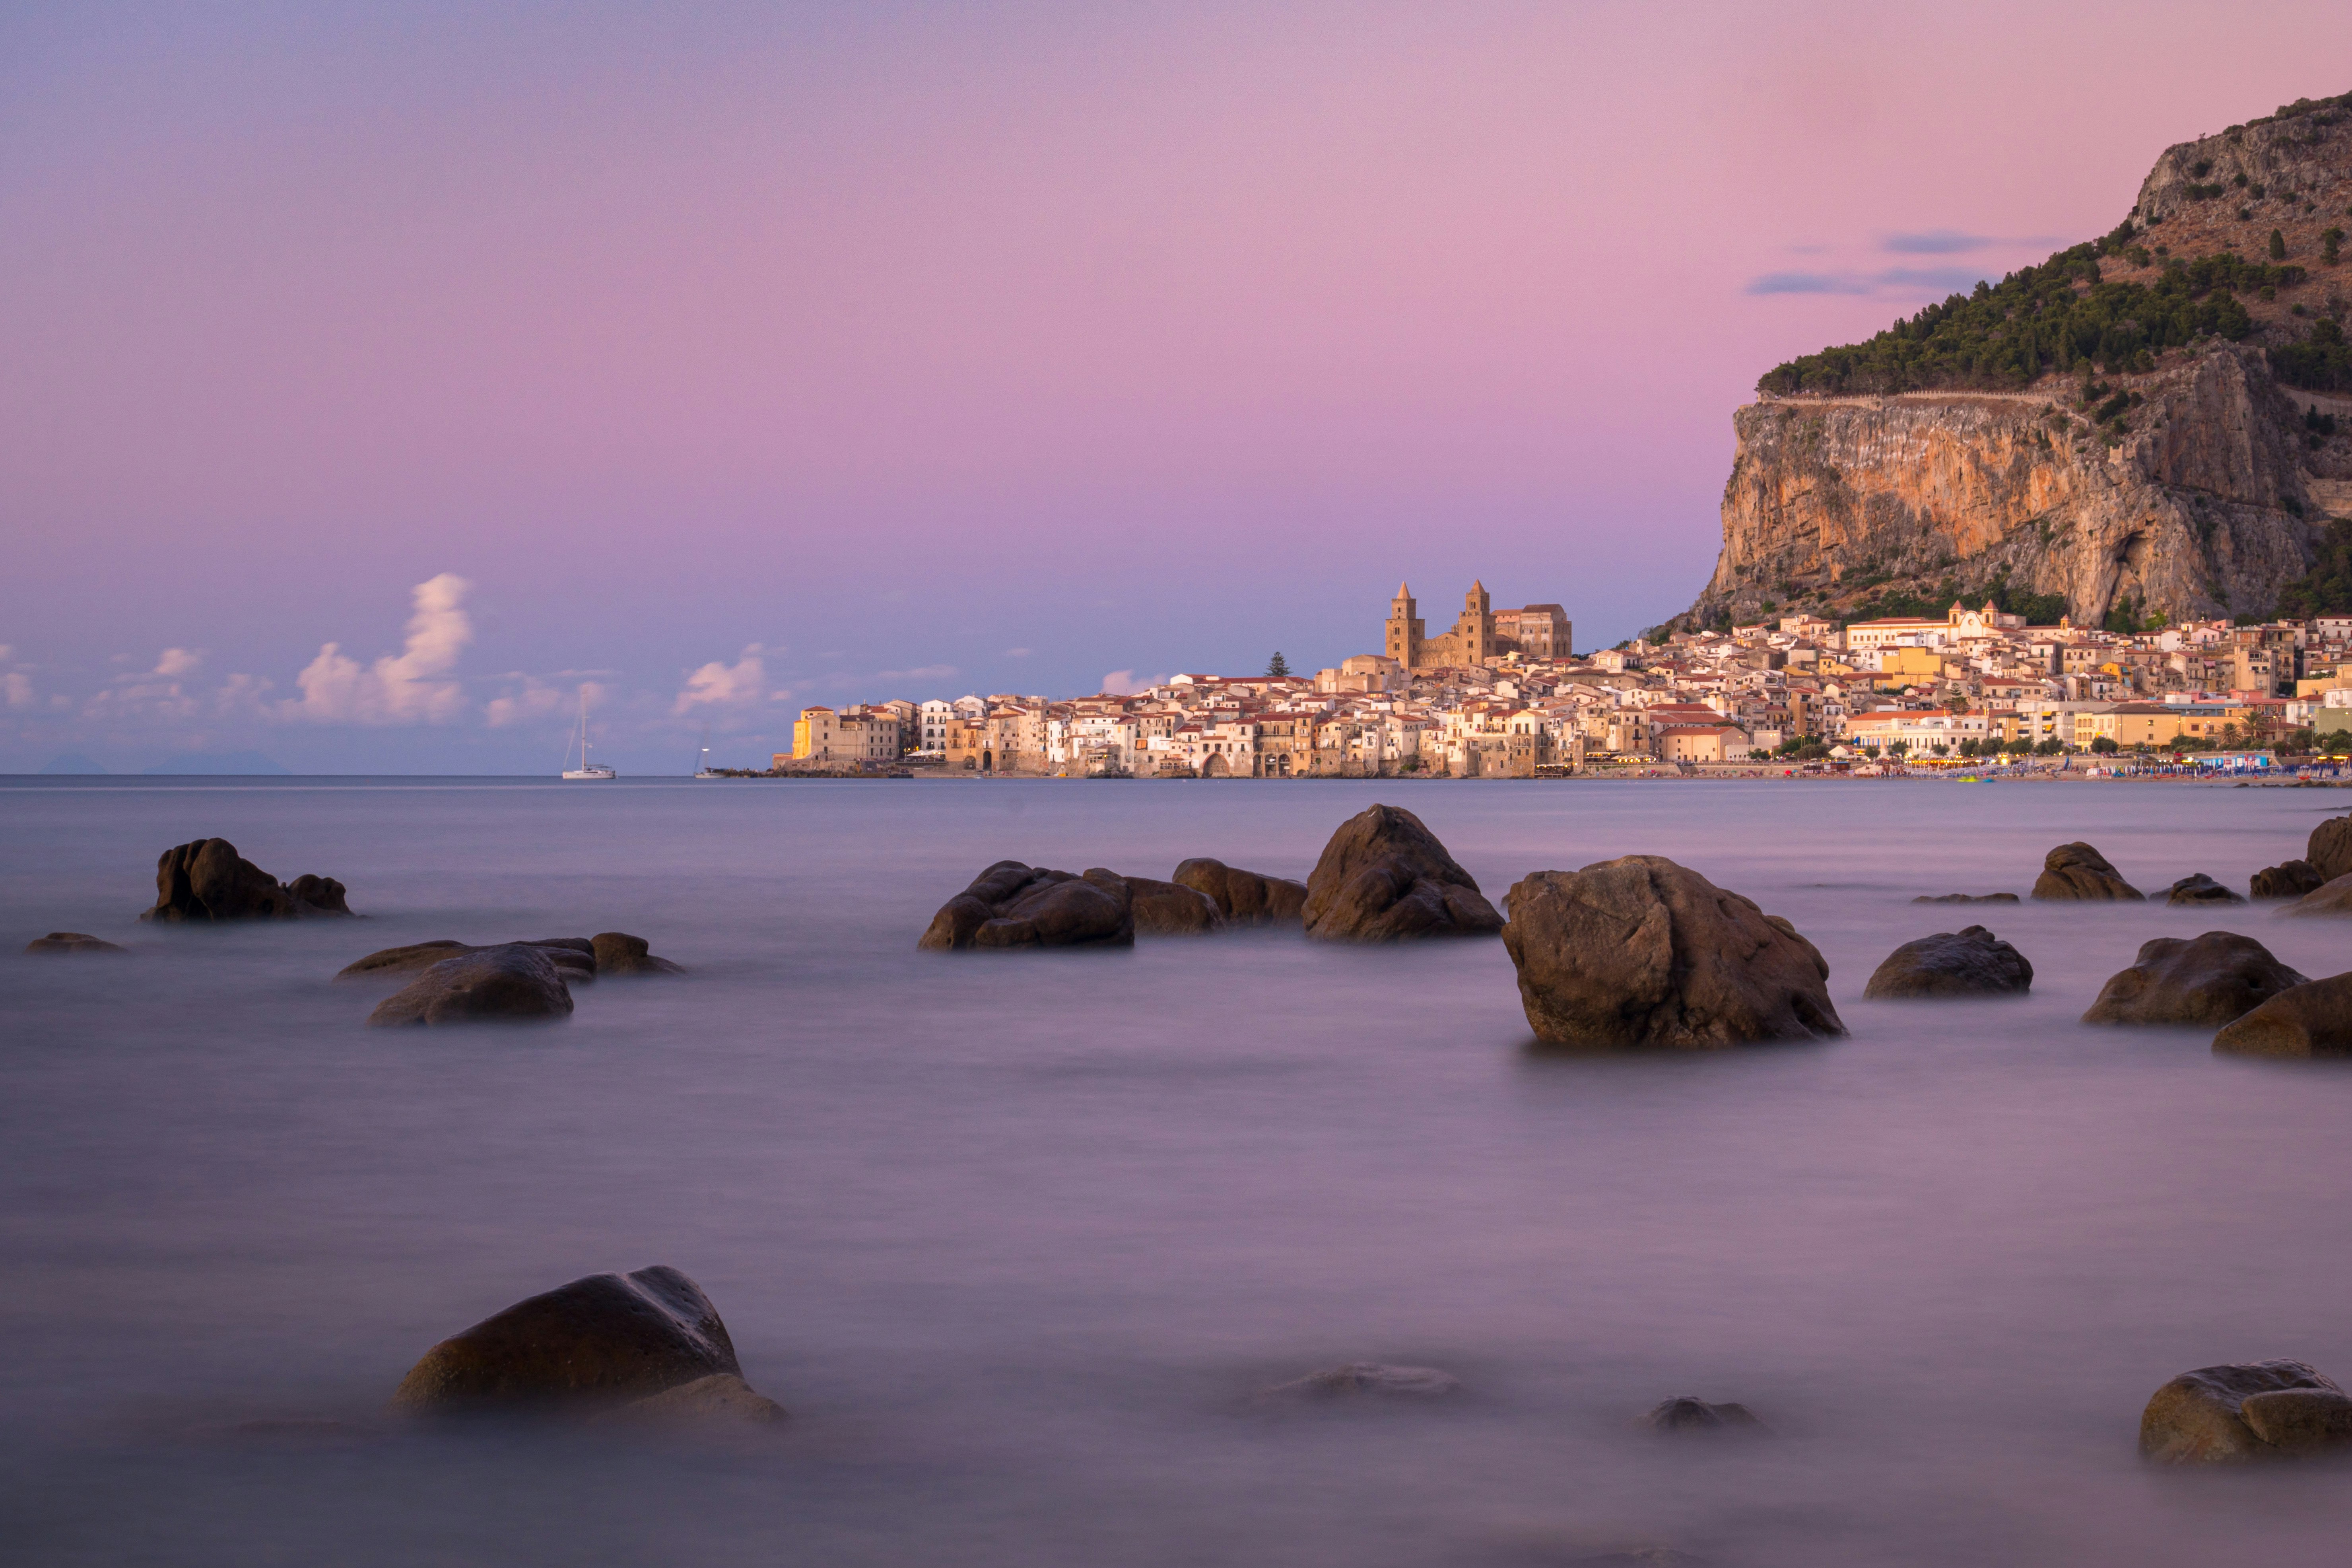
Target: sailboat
column 586, row 770
column 702, row 763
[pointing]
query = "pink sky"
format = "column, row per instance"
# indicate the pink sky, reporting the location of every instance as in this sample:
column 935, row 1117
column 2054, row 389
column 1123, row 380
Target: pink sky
column 882, row 343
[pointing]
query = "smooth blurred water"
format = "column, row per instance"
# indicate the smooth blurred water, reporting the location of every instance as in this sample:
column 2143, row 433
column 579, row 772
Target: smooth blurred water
column 1014, row 1237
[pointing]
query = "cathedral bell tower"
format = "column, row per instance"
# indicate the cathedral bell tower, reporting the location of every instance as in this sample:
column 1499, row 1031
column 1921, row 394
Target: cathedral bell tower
column 1404, row 631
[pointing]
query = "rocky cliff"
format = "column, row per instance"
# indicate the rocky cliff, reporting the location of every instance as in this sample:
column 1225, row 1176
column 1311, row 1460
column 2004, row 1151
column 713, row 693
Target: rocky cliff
column 2190, row 480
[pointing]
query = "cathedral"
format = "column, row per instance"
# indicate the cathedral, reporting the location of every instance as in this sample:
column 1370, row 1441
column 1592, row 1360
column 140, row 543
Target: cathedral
column 1481, row 633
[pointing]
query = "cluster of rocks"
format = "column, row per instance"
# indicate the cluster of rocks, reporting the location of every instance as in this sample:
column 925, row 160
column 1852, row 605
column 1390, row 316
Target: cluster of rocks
column 207, row 880
column 504, row 982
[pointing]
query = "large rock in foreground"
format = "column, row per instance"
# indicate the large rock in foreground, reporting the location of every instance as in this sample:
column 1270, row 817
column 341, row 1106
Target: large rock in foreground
column 2330, row 848
column 510, row 984
column 607, row 1341
column 1245, row 897
column 206, row 880
column 2329, row 900
column 2200, row 888
column 1385, row 878
column 2078, row 871
column 2202, row 1416
column 1642, row 952
column 2287, row 879
column 72, row 941
column 1011, row 905
column 1968, row 962
column 2312, row 1019
column 2208, row 981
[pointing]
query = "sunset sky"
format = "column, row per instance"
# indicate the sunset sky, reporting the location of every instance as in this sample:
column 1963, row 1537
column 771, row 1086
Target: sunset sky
column 372, row 376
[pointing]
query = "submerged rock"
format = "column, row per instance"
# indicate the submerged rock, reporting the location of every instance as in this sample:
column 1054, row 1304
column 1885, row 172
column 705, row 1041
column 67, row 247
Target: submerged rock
column 2312, row 1019
column 572, row 955
column 1966, row 899
column 2329, row 900
column 1642, row 952
column 2200, row 1417
column 1689, row 1414
column 2078, row 871
column 1968, row 963
column 2330, row 848
column 71, row 942
column 2200, row 888
column 617, row 952
column 602, row 1343
column 1384, row 877
column 1245, row 897
column 1367, row 1380
column 514, row 983
column 2208, row 980
column 1011, row 905
column 2287, row 879
column 206, row 879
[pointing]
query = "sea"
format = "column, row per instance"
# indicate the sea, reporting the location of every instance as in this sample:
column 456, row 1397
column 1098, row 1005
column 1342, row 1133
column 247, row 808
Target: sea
column 1019, row 1238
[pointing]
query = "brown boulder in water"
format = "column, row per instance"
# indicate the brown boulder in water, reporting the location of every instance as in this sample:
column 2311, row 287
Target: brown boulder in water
column 2078, row 871
column 574, row 956
column 1642, row 952
column 71, row 942
column 2312, row 1019
column 2287, row 879
column 1011, row 905
column 1966, row 899
column 206, row 880
column 1690, row 1414
column 1245, row 897
column 1171, row 909
column 2199, row 1418
column 1968, row 963
column 2200, row 888
column 1385, row 878
column 1367, row 1380
column 617, row 952
column 2330, row 848
column 509, row 984
column 607, row 1341
column 2208, row 980
column 2329, row 900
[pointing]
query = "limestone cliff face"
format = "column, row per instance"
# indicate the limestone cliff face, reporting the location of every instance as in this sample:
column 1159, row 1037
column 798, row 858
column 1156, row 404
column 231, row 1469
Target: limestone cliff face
column 2205, row 507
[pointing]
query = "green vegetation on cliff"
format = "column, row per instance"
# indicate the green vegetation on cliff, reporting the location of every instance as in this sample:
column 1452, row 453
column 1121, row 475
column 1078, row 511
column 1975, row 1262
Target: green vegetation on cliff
column 2326, row 588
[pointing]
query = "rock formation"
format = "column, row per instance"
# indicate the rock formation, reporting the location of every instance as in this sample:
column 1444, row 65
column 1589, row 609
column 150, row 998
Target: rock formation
column 71, row 942
column 1968, row 962
column 1367, row 1380
column 1966, row 899
column 574, row 957
column 2330, row 853
column 1385, row 878
column 1640, row 952
column 2211, row 1416
column 617, row 952
column 2287, row 879
column 2329, row 900
column 1011, row 905
column 1245, row 897
column 514, row 983
column 2078, row 871
column 2206, row 982
column 2312, row 1019
column 605, row 1342
column 1171, row 909
column 1690, row 1414
column 2199, row 889
column 2204, row 500
column 206, row 879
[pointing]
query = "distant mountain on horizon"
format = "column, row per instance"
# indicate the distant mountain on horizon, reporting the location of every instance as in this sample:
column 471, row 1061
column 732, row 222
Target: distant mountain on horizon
column 247, row 764
column 72, row 762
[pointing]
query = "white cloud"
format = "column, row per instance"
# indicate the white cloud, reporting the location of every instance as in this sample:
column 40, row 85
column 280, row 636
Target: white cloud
column 19, row 688
column 1016, row 653
column 537, row 699
column 1120, row 683
column 177, row 662
column 8, row 650
column 241, row 693
column 403, row 690
column 718, row 684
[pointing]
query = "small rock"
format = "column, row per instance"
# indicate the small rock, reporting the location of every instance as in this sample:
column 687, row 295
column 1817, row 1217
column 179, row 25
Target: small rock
column 2330, row 849
column 2199, row 1417
column 71, row 942
column 602, row 1342
column 2299, row 1420
column 617, row 952
column 1689, row 1414
column 2329, row 900
column 1639, row 952
column 2200, row 888
column 2218, row 976
column 2078, row 871
column 1368, row 1378
column 1966, row 899
column 514, row 983
column 206, row 880
column 1383, row 877
column 2287, row 879
column 1245, row 897
column 1011, row 905
column 1968, row 963
column 2312, row 1019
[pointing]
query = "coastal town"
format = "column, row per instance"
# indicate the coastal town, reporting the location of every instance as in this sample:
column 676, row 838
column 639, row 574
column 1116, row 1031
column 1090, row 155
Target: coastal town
column 1502, row 694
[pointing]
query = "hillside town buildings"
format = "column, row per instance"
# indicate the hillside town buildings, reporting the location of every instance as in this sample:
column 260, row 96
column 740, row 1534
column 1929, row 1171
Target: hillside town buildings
column 1501, row 695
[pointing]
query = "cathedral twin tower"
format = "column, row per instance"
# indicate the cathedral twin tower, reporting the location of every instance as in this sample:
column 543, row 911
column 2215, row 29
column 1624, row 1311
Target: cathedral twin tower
column 1480, row 634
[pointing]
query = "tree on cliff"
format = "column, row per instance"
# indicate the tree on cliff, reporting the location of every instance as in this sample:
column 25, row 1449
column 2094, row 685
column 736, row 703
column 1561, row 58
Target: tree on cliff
column 1277, row 667
column 2278, row 246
